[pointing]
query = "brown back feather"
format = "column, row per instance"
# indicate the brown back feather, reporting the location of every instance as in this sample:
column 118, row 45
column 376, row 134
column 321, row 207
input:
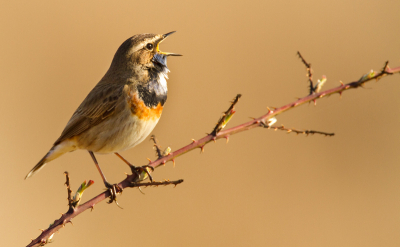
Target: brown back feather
column 100, row 103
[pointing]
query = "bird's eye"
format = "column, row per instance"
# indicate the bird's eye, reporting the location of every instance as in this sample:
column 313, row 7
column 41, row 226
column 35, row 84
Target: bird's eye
column 149, row 46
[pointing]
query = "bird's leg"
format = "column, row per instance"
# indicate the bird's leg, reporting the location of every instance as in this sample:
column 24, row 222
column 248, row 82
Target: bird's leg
column 113, row 188
column 135, row 169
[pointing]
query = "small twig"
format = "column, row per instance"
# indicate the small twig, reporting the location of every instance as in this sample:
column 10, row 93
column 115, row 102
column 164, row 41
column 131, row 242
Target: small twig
column 157, row 147
column 220, row 124
column 166, row 182
column 309, row 73
column 70, row 201
column 289, row 130
column 386, row 67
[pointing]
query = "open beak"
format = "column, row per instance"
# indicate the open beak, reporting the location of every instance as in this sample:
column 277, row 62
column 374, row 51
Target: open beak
column 164, row 36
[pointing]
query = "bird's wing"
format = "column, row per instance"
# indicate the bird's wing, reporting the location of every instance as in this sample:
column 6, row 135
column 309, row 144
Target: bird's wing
column 100, row 103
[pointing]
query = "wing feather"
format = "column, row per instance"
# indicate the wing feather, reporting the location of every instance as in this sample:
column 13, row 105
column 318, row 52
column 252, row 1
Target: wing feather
column 100, row 103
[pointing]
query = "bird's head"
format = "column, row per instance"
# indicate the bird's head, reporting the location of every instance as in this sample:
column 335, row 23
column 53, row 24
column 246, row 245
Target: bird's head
column 140, row 53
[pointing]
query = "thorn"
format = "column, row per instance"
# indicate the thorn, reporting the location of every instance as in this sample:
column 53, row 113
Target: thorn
column 227, row 138
column 341, row 83
column 269, row 110
column 340, row 94
column 194, row 141
column 149, row 160
column 173, row 162
column 164, row 163
column 214, row 139
column 70, row 222
column 289, row 130
column 141, row 191
column 91, row 208
column 347, row 87
column 202, row 149
column 315, row 102
column 41, row 230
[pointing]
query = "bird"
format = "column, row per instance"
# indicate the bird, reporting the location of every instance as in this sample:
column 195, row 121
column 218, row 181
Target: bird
column 122, row 109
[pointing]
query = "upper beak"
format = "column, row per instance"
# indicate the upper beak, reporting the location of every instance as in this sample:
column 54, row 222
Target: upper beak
column 164, row 36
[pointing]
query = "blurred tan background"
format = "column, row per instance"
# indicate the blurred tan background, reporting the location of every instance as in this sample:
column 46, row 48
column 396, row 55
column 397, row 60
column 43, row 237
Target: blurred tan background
column 263, row 188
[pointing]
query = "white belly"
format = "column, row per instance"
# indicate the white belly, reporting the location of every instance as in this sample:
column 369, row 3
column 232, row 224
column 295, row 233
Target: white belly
column 115, row 135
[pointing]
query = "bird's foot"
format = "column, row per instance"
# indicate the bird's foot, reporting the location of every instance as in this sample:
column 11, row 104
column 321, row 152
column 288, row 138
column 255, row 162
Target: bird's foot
column 139, row 169
column 114, row 189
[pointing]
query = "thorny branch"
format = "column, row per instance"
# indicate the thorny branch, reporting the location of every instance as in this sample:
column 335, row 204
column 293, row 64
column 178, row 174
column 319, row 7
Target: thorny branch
column 225, row 118
column 69, row 191
column 166, row 182
column 215, row 135
column 290, row 130
column 309, row 72
column 156, row 147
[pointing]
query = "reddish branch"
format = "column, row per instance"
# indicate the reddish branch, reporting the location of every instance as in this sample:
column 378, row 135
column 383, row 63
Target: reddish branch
column 257, row 122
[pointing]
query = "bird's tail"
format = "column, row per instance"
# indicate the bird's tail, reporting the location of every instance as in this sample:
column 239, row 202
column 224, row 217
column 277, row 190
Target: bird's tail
column 54, row 153
column 37, row 167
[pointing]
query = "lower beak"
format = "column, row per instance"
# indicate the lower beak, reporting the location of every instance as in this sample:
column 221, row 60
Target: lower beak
column 164, row 36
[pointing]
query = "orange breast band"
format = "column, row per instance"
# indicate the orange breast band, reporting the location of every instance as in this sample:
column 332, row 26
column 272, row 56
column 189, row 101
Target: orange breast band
column 140, row 110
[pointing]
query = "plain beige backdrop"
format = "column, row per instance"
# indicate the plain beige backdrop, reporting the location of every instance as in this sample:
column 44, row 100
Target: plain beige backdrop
column 263, row 188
